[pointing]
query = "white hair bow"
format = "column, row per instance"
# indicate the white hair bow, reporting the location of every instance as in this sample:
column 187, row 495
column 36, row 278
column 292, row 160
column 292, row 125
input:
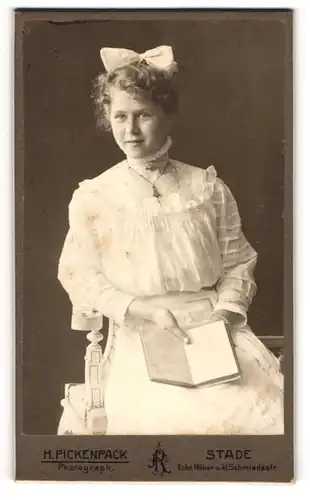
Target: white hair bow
column 160, row 57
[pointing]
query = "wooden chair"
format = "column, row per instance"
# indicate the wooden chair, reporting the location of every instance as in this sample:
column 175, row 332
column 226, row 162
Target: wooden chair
column 83, row 404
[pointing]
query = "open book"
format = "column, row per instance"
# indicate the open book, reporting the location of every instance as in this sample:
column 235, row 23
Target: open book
column 210, row 359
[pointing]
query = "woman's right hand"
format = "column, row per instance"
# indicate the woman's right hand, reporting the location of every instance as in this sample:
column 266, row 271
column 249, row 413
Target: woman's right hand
column 160, row 316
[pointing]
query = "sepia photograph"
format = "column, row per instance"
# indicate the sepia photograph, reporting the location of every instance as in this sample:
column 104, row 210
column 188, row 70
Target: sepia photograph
column 153, row 209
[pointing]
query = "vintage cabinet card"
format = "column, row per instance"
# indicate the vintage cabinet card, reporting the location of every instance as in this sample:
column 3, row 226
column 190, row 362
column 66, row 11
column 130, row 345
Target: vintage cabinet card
column 154, row 245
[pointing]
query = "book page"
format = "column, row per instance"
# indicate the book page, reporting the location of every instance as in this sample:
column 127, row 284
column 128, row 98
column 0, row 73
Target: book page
column 211, row 355
column 165, row 357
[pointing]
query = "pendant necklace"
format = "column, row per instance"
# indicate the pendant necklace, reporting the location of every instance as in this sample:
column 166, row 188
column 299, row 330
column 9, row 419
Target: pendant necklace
column 151, row 161
column 156, row 193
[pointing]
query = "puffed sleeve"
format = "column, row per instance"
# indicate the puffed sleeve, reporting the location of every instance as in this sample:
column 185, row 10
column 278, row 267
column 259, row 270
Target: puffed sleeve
column 236, row 287
column 80, row 269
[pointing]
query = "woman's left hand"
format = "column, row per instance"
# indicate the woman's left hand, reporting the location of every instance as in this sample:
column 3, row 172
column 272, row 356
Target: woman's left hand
column 231, row 318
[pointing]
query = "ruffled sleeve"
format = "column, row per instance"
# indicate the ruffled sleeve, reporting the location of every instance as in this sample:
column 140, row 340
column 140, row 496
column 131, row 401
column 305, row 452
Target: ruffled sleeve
column 236, row 287
column 80, row 268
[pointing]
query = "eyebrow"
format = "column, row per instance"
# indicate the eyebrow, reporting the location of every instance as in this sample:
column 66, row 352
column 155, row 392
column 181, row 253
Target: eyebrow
column 135, row 111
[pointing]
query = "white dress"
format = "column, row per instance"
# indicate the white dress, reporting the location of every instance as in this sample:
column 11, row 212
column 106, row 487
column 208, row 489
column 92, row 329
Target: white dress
column 124, row 243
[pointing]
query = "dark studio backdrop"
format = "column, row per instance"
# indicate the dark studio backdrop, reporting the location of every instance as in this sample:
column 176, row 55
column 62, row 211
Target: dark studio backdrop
column 231, row 115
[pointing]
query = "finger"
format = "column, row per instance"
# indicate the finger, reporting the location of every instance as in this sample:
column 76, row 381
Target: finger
column 180, row 334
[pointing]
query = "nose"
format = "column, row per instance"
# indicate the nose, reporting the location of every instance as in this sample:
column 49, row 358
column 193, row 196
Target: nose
column 132, row 125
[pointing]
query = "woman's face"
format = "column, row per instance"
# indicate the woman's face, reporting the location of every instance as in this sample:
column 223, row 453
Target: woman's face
column 140, row 127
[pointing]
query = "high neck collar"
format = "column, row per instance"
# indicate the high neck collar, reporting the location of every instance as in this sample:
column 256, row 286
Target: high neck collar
column 152, row 163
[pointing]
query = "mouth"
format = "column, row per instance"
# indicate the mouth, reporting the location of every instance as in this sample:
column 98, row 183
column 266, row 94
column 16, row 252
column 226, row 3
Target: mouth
column 134, row 142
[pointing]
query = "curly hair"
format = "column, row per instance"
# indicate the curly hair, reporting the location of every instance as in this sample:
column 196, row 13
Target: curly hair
column 139, row 79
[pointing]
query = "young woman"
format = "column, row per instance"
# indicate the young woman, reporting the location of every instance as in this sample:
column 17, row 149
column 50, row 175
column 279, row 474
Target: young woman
column 154, row 239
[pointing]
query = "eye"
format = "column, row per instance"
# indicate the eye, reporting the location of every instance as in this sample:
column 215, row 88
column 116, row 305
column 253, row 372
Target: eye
column 145, row 115
column 119, row 117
